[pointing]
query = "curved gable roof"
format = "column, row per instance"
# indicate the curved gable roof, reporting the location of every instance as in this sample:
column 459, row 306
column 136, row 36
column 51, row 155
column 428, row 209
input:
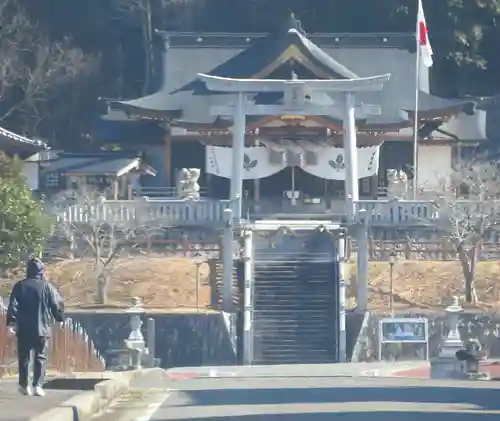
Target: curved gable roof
column 267, row 54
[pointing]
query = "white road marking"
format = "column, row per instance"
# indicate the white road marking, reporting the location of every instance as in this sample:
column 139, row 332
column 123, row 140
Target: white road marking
column 370, row 373
column 153, row 407
column 220, row 374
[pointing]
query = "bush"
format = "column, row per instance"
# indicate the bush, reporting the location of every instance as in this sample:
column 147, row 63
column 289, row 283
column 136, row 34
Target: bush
column 24, row 228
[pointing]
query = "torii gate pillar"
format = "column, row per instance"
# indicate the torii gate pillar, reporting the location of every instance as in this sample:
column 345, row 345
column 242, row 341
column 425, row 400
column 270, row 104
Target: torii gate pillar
column 351, row 156
column 238, row 130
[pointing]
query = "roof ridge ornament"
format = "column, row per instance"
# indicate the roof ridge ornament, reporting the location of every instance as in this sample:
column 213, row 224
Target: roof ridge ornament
column 294, row 24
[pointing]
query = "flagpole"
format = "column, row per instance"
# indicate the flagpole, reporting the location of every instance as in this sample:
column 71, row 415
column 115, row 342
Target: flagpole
column 415, row 114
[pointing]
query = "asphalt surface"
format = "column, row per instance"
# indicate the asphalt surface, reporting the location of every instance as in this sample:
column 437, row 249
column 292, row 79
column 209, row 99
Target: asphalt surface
column 303, row 396
column 383, row 369
column 15, row 407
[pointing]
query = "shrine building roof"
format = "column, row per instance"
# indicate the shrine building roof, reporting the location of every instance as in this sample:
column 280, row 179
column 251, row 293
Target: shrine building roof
column 97, row 163
column 14, row 144
column 185, row 99
column 266, row 55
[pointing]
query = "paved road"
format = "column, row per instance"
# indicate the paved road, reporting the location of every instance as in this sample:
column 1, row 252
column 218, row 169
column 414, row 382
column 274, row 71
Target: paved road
column 382, row 369
column 304, row 398
column 14, row 407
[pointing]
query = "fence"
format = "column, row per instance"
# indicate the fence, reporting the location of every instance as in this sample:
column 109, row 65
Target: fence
column 70, row 350
column 394, row 211
column 165, row 211
column 424, row 250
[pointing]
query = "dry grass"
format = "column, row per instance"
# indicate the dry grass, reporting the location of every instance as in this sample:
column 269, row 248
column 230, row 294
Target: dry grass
column 170, row 283
column 424, row 284
column 161, row 282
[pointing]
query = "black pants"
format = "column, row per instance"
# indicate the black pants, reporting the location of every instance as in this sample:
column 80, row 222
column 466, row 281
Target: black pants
column 39, row 347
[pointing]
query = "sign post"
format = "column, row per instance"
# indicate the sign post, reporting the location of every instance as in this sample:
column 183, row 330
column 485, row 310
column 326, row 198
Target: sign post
column 393, row 330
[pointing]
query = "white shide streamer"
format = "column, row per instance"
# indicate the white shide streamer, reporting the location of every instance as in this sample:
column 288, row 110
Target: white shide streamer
column 330, row 165
column 255, row 164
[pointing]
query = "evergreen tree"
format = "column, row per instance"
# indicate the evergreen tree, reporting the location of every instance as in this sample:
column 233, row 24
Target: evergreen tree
column 24, row 227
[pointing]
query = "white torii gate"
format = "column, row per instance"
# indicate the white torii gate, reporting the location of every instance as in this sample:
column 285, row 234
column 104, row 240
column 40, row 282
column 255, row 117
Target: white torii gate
column 296, row 102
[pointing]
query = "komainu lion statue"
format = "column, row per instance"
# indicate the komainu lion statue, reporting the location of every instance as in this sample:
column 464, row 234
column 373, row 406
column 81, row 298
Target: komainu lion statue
column 187, row 183
column 397, row 184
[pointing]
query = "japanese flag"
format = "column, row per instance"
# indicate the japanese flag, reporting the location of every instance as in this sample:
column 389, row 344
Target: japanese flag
column 423, row 38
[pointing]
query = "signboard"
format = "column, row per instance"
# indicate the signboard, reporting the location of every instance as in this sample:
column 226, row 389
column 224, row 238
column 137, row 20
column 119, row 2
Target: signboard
column 98, row 180
column 403, row 330
column 294, row 96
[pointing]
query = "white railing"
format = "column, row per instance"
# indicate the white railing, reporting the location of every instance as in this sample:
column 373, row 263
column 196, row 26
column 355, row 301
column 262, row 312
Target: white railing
column 143, row 211
column 210, row 211
column 418, row 211
column 397, row 211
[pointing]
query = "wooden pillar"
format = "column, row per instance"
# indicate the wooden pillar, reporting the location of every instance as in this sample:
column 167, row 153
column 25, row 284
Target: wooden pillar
column 116, row 188
column 326, row 194
column 208, row 182
column 168, row 157
column 129, row 190
column 256, row 183
column 374, row 186
column 256, row 190
column 123, row 182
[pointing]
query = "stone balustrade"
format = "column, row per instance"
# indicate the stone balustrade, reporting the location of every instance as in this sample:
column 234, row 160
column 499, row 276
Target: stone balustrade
column 421, row 211
column 210, row 211
column 398, row 211
column 144, row 211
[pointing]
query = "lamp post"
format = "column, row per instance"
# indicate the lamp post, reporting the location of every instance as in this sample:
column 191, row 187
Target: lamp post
column 198, row 259
column 392, row 262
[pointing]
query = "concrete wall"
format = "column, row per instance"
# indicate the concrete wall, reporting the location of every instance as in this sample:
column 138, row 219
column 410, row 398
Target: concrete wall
column 181, row 339
column 201, row 339
column 353, row 327
column 434, row 167
column 482, row 326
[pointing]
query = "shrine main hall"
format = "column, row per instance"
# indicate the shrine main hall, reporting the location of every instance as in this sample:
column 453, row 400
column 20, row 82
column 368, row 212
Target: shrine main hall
column 293, row 160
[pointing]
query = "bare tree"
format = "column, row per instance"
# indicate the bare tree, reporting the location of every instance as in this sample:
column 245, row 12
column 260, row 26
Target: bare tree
column 103, row 230
column 33, row 68
column 469, row 215
column 141, row 13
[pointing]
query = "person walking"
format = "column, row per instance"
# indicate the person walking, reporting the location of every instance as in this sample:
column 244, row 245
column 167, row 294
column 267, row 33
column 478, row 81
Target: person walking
column 33, row 306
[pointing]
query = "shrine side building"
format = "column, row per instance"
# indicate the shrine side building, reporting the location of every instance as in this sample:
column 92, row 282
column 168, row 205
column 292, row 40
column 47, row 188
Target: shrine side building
column 293, row 156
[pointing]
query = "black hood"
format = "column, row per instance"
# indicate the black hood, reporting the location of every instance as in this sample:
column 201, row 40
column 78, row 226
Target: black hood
column 35, row 269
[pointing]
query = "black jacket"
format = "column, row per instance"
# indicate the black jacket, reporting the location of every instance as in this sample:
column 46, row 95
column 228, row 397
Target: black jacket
column 34, row 304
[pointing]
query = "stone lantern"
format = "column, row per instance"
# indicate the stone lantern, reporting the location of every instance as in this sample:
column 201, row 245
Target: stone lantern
column 135, row 342
column 453, row 339
column 446, row 365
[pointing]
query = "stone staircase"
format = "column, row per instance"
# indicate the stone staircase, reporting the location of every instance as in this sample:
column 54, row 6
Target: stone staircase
column 232, row 321
column 295, row 311
column 217, row 283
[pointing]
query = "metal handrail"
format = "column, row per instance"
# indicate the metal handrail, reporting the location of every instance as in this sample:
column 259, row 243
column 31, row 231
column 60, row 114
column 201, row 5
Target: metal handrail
column 71, row 350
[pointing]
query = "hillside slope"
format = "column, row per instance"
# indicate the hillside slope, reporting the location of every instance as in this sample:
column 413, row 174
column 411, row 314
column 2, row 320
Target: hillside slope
column 170, row 283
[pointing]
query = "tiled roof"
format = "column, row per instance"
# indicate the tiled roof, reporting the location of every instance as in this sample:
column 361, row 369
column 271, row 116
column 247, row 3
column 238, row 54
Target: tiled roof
column 184, row 98
column 12, row 142
column 104, row 163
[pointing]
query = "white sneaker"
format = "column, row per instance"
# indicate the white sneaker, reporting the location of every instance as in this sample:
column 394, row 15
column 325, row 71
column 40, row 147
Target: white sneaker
column 26, row 391
column 39, row 391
